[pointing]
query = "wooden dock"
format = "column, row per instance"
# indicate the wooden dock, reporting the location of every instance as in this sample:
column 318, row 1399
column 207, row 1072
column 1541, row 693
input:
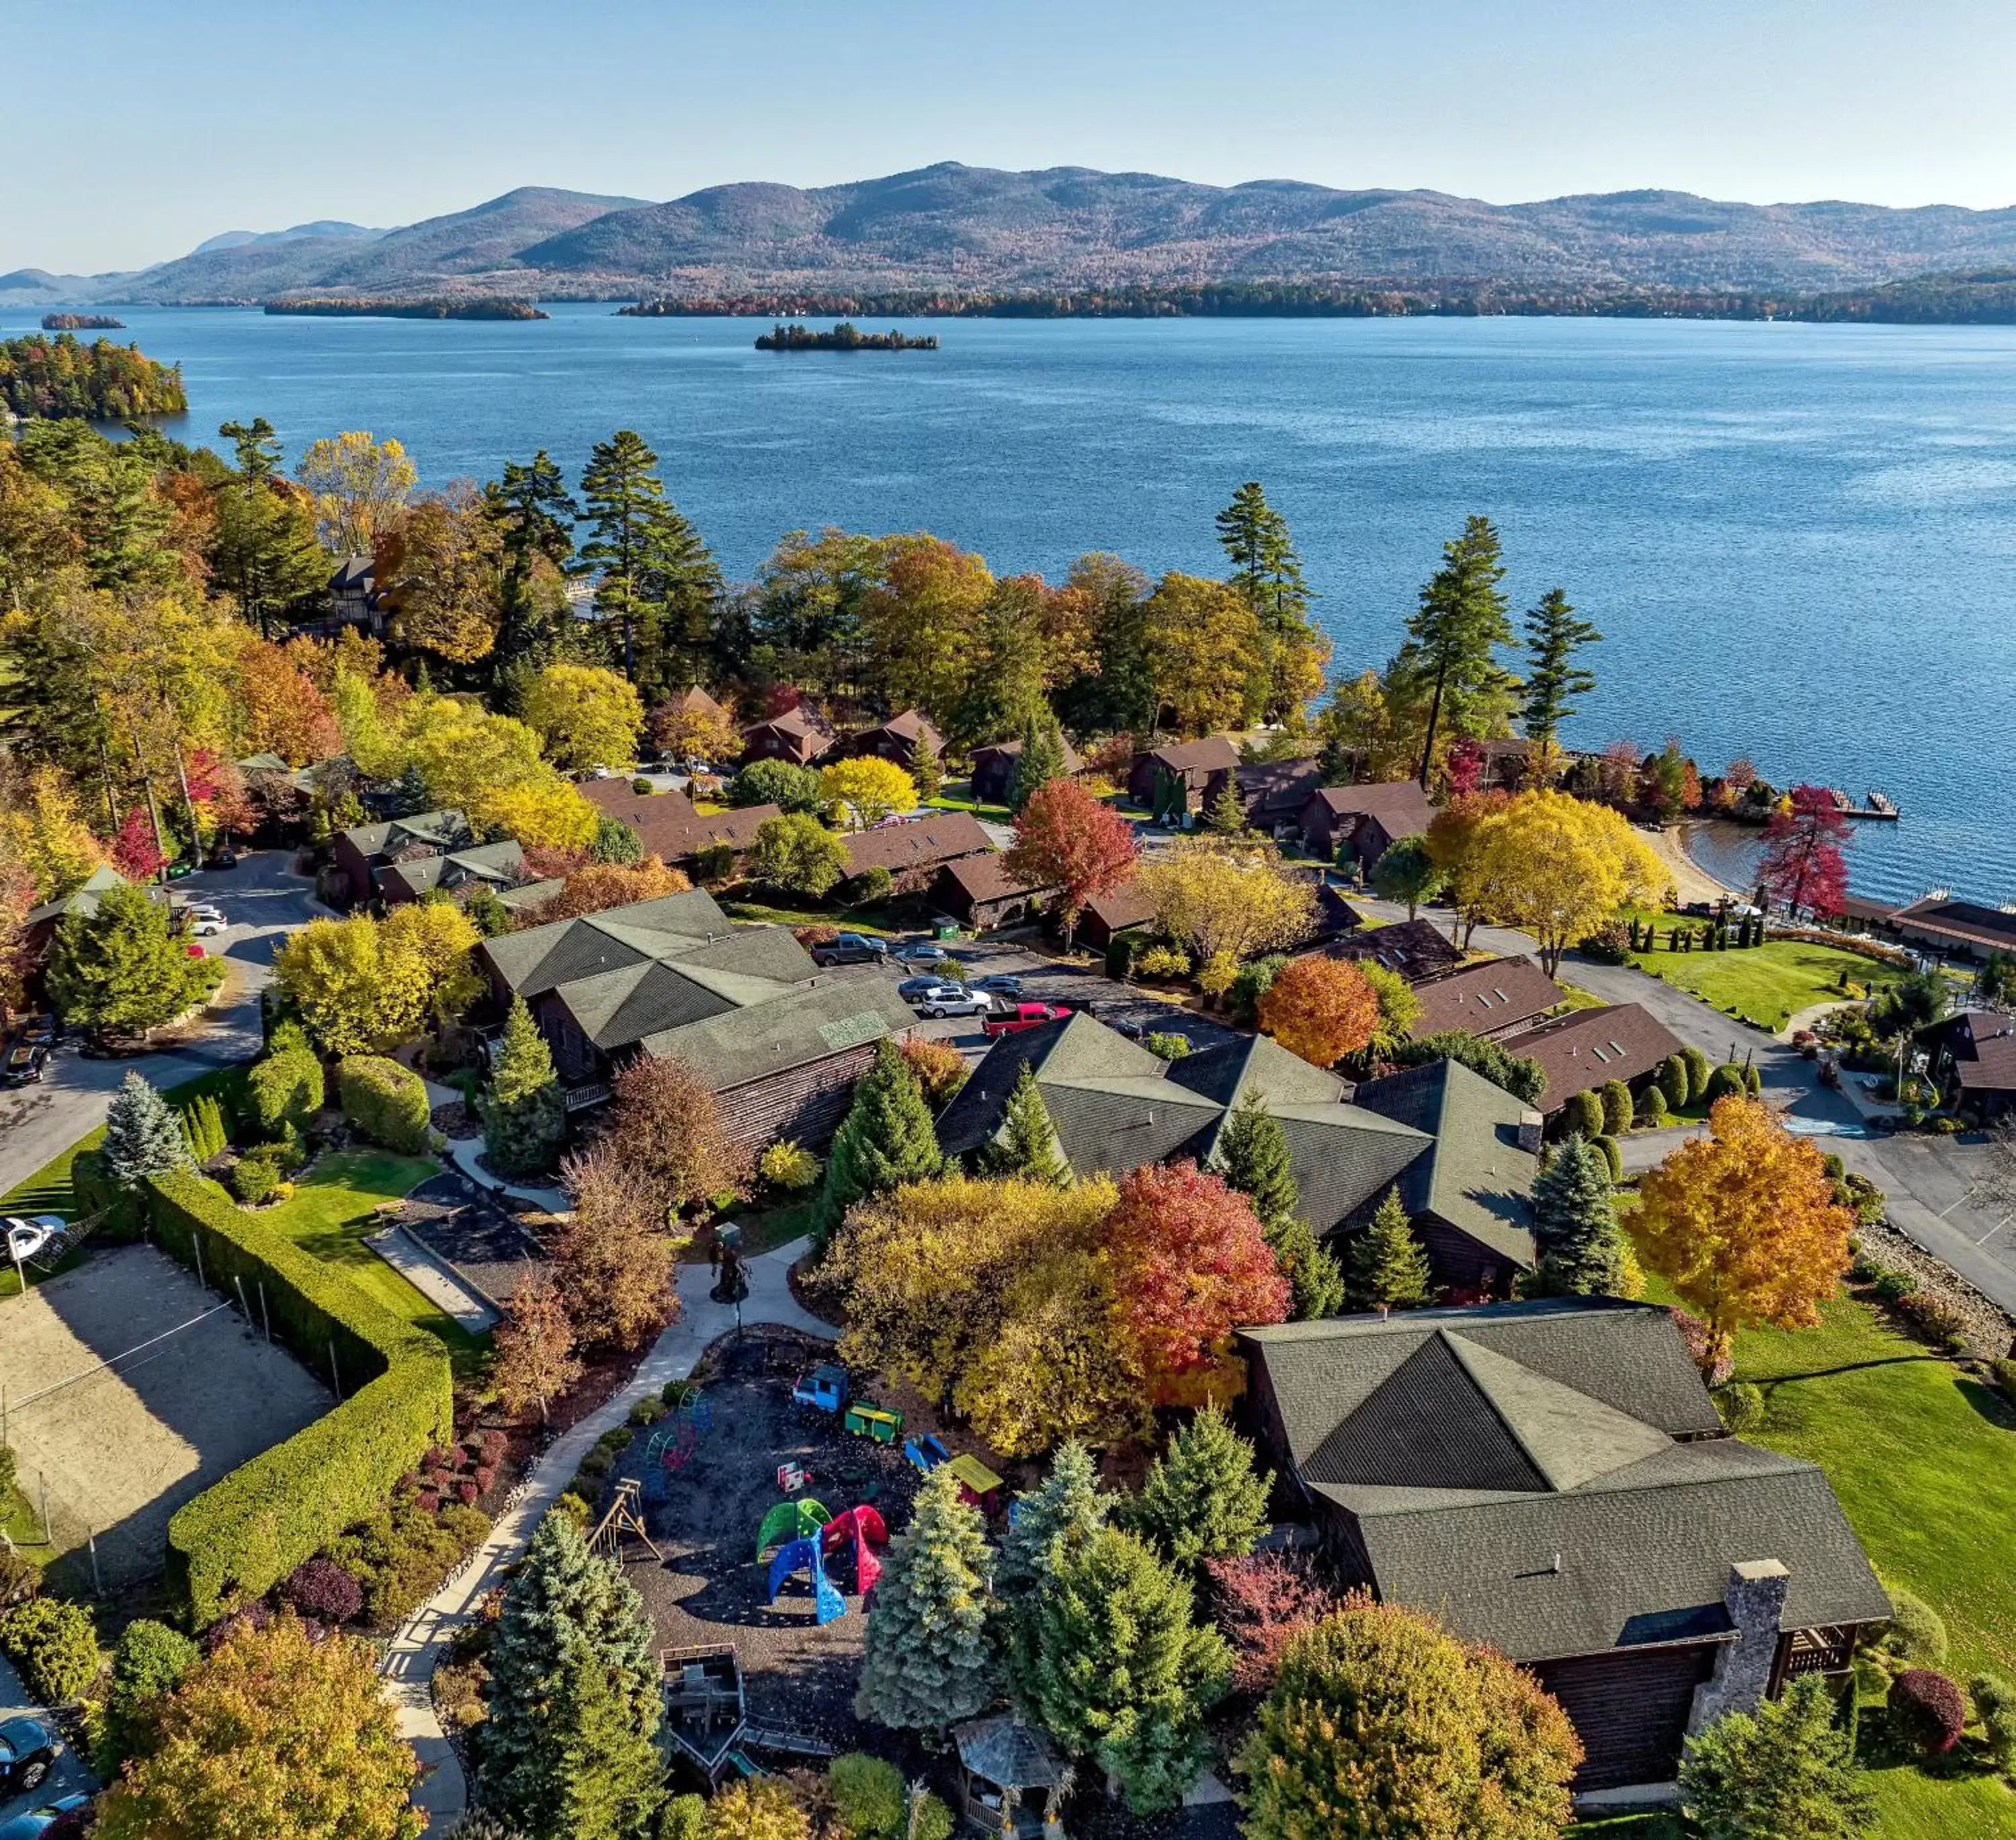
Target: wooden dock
column 1875, row 806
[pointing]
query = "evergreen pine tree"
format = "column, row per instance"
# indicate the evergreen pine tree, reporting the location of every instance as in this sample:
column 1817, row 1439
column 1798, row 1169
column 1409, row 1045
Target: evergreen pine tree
column 525, row 1118
column 887, row 1140
column 1027, row 1145
column 1580, row 1247
column 1202, row 1499
column 409, row 793
column 143, row 1135
column 607, row 1771
column 1554, row 636
column 1386, row 1268
column 927, row 1662
column 1447, row 661
column 1123, row 1675
column 564, row 1603
column 1041, row 760
column 535, row 514
column 620, row 489
column 1224, row 816
column 1316, row 1278
column 1252, row 1155
column 1788, row 1769
column 1268, row 572
column 678, row 587
column 1068, row 1506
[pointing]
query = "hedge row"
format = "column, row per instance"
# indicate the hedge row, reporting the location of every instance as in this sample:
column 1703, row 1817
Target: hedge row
column 249, row 1530
column 385, row 1102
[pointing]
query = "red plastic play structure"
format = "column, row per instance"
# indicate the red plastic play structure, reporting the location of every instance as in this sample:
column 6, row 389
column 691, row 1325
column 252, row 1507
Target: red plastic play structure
column 862, row 1525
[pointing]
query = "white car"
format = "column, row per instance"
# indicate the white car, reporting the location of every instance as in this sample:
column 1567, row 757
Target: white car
column 28, row 1234
column 205, row 925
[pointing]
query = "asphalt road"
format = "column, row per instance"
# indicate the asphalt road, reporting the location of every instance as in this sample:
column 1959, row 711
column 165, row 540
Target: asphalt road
column 69, row 1777
column 263, row 901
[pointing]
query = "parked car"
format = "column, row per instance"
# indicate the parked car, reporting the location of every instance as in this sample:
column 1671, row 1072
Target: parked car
column 38, row 1031
column 27, row 1234
column 25, row 1063
column 202, row 910
column 226, row 858
column 921, row 952
column 1018, row 1017
column 206, row 926
column 952, row 999
column 28, row 1750
column 852, row 949
column 39, row 1820
column 1000, row 984
column 911, row 989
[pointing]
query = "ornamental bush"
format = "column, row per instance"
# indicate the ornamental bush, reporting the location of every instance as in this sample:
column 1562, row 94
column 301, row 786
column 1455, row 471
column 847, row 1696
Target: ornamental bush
column 868, row 1796
column 1652, row 1107
column 1616, row 1099
column 1927, row 1712
column 1612, row 1155
column 1582, row 1115
column 285, row 1091
column 1166, row 1045
column 1673, row 1083
column 321, row 1588
column 385, row 1102
column 1916, row 1634
column 1995, row 1706
column 789, row 1166
column 1698, row 1071
column 1741, row 1406
column 254, row 1179
column 1726, row 1082
column 1163, row 961
column 51, row 1640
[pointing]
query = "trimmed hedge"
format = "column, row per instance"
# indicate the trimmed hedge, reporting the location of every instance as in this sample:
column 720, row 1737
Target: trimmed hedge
column 285, row 1091
column 247, row 1532
column 385, row 1102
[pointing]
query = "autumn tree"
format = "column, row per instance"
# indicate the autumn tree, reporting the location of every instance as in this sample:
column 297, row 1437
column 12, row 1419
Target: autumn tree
column 360, row 488
column 1448, row 660
column 887, row 1140
column 865, row 789
column 1191, row 1261
column 797, row 855
column 1320, row 1008
column 596, row 886
column 918, row 622
column 614, row 1260
column 1554, row 680
column 1364, row 735
column 1065, row 839
column 665, row 1122
column 1232, row 901
column 534, row 1342
column 275, row 1735
column 586, row 717
column 690, row 728
column 1385, row 1266
column 125, row 968
column 1744, row 1225
column 1205, row 654
column 1559, row 867
column 1801, row 864
column 1381, row 1722
column 1452, row 841
column 41, row 829
column 440, row 569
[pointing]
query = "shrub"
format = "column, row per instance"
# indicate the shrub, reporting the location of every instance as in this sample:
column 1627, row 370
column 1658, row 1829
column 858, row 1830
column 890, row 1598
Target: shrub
column 253, row 1179
column 1615, row 1097
column 1939, row 1324
column 819, row 933
column 321, row 1588
column 1672, row 1082
column 1926, row 1711
column 788, row 1166
column 1651, row 1109
column 596, row 1464
column 1163, row 961
column 399, row 1555
column 1609, row 945
column 51, row 1640
column 1695, row 1333
column 286, row 1090
column 1611, row 1155
column 149, row 1659
column 1256, row 980
column 1915, row 1634
column 1995, row 1706
column 940, row 1068
column 873, row 883
column 1166, row 1046
column 1699, row 1072
column 683, row 1818
column 385, row 1102
column 868, row 1796
column 715, row 863
column 1891, row 1285
column 1582, row 1115
column 2002, row 1371
column 250, row 1529
column 1726, row 1082
column 1121, row 952
column 641, row 786
column 647, row 1411
column 1741, row 1406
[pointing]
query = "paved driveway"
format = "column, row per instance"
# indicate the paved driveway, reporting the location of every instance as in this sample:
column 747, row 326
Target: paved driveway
column 69, row 1777
column 263, row 901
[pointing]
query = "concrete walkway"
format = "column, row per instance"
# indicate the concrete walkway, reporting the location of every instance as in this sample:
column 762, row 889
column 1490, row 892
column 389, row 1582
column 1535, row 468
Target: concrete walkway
column 441, row 1792
column 437, row 1283
column 465, row 1151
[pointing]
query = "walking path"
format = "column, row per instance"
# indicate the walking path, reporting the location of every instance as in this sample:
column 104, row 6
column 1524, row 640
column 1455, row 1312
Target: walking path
column 441, row 1792
column 435, row 1281
column 465, row 1151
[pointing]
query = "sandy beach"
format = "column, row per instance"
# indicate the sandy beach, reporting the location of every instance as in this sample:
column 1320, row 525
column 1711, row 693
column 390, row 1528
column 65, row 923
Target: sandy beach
column 1693, row 882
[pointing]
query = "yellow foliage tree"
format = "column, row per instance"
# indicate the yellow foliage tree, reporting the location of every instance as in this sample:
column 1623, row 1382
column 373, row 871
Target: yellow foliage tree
column 490, row 768
column 865, row 791
column 440, row 938
column 1205, row 653
column 586, row 716
column 40, row 829
column 1362, row 725
column 1743, row 1224
column 1559, row 867
column 360, row 487
column 1226, row 900
column 361, row 986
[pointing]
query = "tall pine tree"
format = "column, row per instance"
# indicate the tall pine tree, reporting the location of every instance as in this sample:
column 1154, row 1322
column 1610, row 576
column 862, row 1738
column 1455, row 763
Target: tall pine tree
column 566, row 1608
column 1581, row 1248
column 679, row 588
column 1252, row 1155
column 1202, row 1499
column 927, row 1662
column 1041, row 760
column 1068, row 1506
column 1028, row 1146
column 143, row 1135
column 1385, row 1268
column 1268, row 572
column 1554, row 636
column 620, row 489
column 887, row 1140
column 607, row 1771
column 536, row 514
column 1448, row 660
column 525, row 1118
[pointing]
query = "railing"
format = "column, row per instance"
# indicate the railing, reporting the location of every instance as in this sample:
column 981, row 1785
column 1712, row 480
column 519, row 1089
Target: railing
column 580, row 1098
column 1821, row 1651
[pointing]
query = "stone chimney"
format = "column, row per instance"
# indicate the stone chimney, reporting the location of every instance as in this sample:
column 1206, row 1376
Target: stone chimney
column 1531, row 1127
column 1756, row 1599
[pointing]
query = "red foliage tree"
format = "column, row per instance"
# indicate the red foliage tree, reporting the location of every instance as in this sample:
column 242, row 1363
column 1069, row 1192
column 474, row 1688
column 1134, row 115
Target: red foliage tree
column 1065, row 839
column 1260, row 1600
column 1802, row 864
column 1465, row 768
column 1190, row 1261
column 135, row 854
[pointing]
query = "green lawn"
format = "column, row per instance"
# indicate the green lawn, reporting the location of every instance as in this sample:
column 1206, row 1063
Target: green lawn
column 1767, row 984
column 847, row 920
column 333, row 1210
column 950, row 801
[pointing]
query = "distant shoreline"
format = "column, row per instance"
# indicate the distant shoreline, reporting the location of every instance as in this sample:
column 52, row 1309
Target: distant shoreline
column 475, row 308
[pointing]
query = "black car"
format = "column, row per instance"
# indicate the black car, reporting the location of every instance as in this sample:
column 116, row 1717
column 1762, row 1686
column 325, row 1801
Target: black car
column 28, row 1750
column 25, row 1065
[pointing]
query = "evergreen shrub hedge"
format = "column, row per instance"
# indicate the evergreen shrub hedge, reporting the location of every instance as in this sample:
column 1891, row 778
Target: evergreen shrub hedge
column 385, row 1102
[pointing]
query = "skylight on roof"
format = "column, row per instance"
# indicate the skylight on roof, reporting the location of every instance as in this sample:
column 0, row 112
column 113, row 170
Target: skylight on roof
column 1618, row 1046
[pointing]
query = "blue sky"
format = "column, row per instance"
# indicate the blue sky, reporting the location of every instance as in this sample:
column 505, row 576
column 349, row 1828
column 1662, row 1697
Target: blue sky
column 132, row 129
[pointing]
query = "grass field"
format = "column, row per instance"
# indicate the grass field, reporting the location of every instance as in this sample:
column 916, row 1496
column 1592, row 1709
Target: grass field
column 333, row 1209
column 1768, row 984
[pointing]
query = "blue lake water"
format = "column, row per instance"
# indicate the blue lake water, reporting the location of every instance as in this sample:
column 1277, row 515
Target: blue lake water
column 1797, row 540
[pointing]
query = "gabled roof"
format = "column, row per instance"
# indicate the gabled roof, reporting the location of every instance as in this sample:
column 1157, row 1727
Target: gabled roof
column 1213, row 754
column 1277, row 789
column 82, row 899
column 1588, row 1048
column 834, row 1011
column 1401, row 806
column 1984, row 1047
column 693, row 699
column 1550, row 1477
column 801, row 719
column 445, row 829
column 917, row 843
column 500, row 864
column 1968, row 921
column 1414, row 949
column 982, row 877
column 541, row 958
column 1493, row 993
column 912, row 725
column 668, row 825
column 1011, row 749
column 1121, row 908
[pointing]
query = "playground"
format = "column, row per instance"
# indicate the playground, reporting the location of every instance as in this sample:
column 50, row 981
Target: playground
column 706, row 1514
column 128, row 1388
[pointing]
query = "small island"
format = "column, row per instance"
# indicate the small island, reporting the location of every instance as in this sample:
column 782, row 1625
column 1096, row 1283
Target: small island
column 81, row 322
column 63, row 377
column 846, row 336
column 451, row 307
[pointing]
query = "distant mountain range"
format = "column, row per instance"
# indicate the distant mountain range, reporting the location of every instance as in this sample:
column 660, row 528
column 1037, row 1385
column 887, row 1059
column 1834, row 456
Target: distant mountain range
column 955, row 227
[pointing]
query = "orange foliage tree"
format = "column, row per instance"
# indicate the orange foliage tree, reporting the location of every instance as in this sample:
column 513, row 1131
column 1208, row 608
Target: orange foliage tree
column 278, row 708
column 1743, row 1224
column 1322, row 1009
column 1190, row 1260
column 600, row 885
column 1066, row 840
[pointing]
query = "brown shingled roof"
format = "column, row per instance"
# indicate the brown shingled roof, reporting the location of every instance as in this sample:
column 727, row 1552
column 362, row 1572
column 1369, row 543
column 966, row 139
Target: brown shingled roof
column 920, row 844
column 1494, row 994
column 1587, row 1047
column 1211, row 753
column 1400, row 807
column 667, row 823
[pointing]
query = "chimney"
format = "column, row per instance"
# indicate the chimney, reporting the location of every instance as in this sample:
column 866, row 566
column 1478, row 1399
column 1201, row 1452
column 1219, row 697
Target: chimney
column 1531, row 1127
column 1755, row 1598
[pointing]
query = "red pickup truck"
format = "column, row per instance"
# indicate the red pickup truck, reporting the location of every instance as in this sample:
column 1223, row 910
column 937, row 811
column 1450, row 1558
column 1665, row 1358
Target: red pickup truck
column 1017, row 1017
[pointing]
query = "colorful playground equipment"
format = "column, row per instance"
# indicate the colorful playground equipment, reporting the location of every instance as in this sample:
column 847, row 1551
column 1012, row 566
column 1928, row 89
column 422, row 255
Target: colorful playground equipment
column 866, row 1419
column 925, row 1453
column 673, row 1440
column 824, row 1389
column 864, row 1527
column 788, row 1520
column 978, row 1485
column 828, row 1604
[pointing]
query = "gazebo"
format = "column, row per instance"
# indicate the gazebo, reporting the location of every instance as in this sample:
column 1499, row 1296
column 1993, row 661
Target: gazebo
column 1003, row 1764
